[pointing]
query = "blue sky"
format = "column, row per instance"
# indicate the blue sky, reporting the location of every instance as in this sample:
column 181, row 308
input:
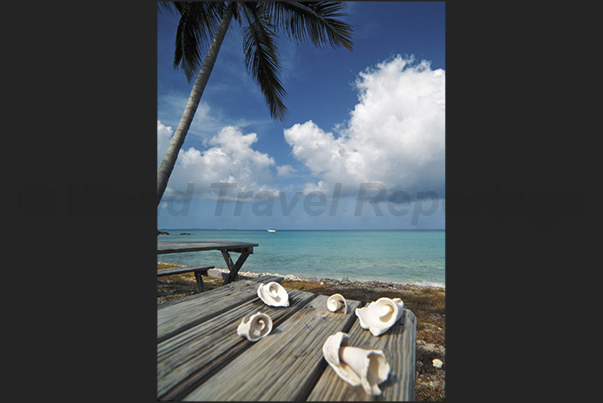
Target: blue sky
column 362, row 145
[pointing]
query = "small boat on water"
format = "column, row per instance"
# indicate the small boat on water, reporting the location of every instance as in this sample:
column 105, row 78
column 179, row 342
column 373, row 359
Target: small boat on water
column 270, row 229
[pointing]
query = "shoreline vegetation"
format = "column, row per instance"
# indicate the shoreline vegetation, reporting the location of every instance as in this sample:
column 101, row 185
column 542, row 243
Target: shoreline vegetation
column 426, row 301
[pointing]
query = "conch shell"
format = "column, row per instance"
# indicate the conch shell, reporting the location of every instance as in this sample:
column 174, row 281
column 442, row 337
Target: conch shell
column 335, row 302
column 258, row 326
column 380, row 315
column 273, row 294
column 356, row 366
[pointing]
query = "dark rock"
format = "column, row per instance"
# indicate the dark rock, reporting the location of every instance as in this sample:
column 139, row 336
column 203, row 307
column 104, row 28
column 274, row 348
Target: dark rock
column 162, row 233
column 185, row 233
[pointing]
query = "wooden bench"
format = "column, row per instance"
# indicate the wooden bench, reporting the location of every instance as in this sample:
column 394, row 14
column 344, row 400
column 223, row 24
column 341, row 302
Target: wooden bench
column 197, row 270
column 225, row 247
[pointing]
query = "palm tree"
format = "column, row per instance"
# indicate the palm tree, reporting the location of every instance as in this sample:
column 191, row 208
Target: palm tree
column 200, row 21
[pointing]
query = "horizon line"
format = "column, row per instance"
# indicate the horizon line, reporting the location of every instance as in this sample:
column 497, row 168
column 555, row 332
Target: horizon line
column 304, row 229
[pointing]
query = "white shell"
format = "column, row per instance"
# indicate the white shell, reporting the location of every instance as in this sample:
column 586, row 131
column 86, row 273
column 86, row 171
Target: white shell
column 380, row 315
column 273, row 294
column 335, row 302
column 356, row 366
column 258, row 326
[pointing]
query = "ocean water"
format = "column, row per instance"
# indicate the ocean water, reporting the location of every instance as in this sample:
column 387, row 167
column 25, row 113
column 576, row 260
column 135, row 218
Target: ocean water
column 416, row 256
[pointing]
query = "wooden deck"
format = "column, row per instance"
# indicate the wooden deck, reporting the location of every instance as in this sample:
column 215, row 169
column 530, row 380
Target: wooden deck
column 201, row 357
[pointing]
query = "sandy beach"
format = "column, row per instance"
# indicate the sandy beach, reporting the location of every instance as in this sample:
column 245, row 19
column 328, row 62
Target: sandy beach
column 425, row 300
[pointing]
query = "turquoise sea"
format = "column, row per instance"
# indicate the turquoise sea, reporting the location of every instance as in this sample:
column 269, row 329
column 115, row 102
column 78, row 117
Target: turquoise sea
column 416, row 256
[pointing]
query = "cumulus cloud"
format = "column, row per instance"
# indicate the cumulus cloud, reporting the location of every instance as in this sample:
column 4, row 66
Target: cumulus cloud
column 285, row 170
column 395, row 135
column 205, row 123
column 207, row 120
column 164, row 135
column 230, row 159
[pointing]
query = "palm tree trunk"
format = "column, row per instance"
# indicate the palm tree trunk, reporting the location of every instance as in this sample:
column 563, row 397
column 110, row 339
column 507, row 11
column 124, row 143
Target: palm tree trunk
column 169, row 159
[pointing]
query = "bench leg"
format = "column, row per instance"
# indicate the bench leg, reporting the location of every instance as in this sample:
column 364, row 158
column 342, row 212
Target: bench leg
column 234, row 268
column 200, row 283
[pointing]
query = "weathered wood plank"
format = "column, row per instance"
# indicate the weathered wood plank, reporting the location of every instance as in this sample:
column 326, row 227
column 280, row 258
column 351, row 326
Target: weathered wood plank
column 178, row 317
column 178, row 247
column 227, row 259
column 184, row 269
column 398, row 345
column 262, row 279
column 198, row 270
column 234, row 269
column 188, row 359
column 285, row 364
column 199, row 278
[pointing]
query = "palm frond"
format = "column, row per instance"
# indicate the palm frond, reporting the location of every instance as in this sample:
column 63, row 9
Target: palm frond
column 165, row 6
column 316, row 21
column 196, row 29
column 301, row 21
column 261, row 56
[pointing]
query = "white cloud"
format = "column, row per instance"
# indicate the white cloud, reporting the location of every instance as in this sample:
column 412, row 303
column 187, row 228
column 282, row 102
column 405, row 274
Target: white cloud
column 285, row 170
column 321, row 187
column 207, row 120
column 231, row 159
column 204, row 124
column 164, row 135
column 395, row 135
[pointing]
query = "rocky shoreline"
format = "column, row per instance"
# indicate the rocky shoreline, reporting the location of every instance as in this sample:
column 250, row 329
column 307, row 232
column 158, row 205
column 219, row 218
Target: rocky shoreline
column 345, row 281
